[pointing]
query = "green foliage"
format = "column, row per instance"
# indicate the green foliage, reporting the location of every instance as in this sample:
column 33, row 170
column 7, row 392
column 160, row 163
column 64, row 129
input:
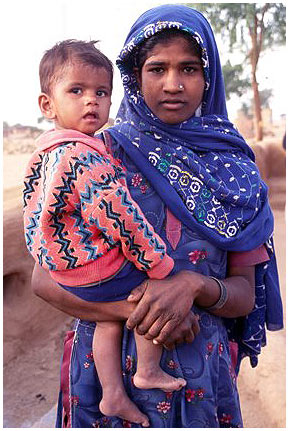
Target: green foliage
column 250, row 28
column 265, row 96
column 236, row 21
column 234, row 83
column 246, row 108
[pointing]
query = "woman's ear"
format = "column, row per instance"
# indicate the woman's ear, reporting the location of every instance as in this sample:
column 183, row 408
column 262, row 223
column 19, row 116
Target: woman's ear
column 46, row 106
column 137, row 74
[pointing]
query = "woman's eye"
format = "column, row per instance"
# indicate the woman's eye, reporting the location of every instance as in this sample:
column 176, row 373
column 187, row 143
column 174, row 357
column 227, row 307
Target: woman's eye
column 157, row 70
column 189, row 69
column 76, row 90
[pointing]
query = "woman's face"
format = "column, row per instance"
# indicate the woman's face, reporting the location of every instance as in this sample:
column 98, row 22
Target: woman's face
column 172, row 81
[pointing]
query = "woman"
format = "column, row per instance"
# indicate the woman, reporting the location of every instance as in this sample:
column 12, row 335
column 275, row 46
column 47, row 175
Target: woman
column 194, row 177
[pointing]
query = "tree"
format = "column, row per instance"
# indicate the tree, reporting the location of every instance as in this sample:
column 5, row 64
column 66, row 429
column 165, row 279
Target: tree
column 253, row 28
column 234, row 84
column 265, row 96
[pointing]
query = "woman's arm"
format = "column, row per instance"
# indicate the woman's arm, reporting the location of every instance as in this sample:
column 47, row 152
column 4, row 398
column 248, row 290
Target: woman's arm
column 44, row 287
column 162, row 306
column 240, row 285
column 163, row 312
column 47, row 289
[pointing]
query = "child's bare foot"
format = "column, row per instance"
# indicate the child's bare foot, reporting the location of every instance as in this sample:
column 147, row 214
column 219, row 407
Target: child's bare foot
column 158, row 379
column 113, row 404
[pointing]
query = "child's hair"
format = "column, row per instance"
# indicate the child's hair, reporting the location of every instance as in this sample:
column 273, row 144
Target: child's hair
column 64, row 53
column 163, row 36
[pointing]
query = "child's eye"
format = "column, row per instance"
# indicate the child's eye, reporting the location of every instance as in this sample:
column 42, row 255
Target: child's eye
column 101, row 93
column 76, row 90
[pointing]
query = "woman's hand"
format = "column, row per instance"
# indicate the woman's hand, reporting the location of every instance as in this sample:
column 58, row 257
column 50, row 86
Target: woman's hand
column 165, row 304
column 185, row 332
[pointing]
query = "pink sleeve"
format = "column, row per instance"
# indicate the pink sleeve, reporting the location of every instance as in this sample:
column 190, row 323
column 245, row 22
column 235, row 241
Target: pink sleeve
column 106, row 204
column 248, row 258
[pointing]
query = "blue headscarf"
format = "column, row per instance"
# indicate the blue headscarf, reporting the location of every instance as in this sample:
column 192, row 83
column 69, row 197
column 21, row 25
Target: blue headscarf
column 202, row 168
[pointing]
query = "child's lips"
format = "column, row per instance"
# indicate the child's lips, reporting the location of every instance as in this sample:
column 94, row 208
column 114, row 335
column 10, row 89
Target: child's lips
column 91, row 116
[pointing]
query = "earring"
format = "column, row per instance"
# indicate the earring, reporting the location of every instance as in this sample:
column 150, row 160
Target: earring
column 181, row 87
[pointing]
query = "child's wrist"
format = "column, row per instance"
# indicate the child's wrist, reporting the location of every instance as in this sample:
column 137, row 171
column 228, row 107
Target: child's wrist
column 162, row 269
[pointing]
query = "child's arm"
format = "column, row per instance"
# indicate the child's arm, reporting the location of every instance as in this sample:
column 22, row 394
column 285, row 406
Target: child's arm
column 75, row 178
column 107, row 204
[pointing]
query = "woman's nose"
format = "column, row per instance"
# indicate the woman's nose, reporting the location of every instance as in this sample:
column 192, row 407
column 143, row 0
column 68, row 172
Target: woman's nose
column 172, row 83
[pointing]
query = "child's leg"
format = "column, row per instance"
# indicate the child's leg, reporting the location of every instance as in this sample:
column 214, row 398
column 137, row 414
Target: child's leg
column 149, row 374
column 107, row 359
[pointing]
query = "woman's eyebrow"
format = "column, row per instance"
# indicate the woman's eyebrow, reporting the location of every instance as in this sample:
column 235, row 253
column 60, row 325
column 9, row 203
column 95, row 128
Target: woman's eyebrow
column 197, row 61
column 155, row 63
column 161, row 63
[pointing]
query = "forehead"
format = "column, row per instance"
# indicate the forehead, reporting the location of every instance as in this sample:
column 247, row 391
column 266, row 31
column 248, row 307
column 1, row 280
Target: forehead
column 172, row 48
column 82, row 72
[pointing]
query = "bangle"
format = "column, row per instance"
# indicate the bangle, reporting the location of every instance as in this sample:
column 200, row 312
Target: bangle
column 223, row 296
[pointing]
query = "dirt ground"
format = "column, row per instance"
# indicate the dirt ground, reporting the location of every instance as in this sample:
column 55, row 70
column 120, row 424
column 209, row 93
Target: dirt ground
column 31, row 369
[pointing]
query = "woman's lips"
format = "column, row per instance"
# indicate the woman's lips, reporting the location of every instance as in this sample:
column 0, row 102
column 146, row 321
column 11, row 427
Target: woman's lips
column 172, row 104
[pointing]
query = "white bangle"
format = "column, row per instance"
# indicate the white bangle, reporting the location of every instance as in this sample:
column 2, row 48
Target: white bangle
column 223, row 296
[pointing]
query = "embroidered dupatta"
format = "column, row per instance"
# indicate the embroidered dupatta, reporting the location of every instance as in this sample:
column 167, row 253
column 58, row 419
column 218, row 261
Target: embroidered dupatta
column 202, row 168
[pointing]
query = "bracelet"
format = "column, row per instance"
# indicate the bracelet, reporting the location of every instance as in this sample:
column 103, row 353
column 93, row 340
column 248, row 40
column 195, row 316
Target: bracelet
column 223, row 296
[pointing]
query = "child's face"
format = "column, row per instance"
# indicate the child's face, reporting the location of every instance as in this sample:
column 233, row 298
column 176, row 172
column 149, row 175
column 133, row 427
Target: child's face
column 81, row 98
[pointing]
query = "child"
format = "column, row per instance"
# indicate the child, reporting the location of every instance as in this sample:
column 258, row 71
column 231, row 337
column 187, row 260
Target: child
column 80, row 221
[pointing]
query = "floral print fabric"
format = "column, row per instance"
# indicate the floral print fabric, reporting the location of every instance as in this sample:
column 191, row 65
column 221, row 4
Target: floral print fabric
column 209, row 400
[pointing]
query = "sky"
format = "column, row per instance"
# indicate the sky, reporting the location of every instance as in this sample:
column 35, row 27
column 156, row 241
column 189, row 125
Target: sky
column 32, row 26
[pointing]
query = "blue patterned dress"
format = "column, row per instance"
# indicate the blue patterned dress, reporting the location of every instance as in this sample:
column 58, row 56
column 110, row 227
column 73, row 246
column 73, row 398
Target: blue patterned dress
column 210, row 398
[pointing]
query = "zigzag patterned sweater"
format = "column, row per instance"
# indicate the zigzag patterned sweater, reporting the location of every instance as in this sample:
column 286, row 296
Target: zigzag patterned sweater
column 80, row 221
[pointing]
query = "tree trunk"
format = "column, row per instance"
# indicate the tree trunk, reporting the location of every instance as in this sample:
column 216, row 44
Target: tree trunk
column 254, row 57
column 257, row 109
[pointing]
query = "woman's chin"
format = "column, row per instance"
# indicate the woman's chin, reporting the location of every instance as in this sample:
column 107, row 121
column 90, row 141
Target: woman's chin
column 173, row 117
column 173, row 120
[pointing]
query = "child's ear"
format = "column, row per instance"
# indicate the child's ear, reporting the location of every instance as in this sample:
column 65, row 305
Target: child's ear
column 46, row 106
